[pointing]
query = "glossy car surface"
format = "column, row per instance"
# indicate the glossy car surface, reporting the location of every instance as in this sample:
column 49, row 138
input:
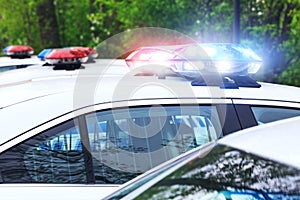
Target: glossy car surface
column 7, row 63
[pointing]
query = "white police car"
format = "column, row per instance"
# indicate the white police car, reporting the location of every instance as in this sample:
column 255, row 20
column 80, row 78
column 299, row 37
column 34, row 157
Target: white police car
column 256, row 163
column 18, row 56
column 80, row 132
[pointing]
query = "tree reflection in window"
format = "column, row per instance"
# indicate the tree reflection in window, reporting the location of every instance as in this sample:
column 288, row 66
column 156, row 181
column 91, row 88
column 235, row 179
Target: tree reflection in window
column 226, row 173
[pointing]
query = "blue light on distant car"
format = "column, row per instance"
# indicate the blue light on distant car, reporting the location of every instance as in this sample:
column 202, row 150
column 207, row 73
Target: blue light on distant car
column 209, row 57
column 42, row 55
column 231, row 58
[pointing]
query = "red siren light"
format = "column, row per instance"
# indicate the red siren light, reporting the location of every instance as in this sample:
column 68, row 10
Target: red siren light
column 68, row 59
column 18, row 51
column 92, row 53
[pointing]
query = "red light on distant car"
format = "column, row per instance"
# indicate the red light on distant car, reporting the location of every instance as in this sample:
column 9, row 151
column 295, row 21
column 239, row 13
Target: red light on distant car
column 66, row 58
column 18, row 51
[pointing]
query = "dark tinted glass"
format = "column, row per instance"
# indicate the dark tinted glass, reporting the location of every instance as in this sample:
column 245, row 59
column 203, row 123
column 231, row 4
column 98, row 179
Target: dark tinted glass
column 54, row 156
column 123, row 143
column 127, row 142
column 227, row 173
column 264, row 114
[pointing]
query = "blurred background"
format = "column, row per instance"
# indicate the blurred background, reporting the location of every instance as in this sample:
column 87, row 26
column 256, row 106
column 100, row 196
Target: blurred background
column 270, row 27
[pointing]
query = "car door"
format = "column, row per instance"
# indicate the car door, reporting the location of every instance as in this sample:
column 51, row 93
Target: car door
column 96, row 148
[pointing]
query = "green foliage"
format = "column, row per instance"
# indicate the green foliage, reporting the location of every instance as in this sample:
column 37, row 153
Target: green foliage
column 270, row 28
column 104, row 20
column 74, row 27
column 17, row 22
column 291, row 76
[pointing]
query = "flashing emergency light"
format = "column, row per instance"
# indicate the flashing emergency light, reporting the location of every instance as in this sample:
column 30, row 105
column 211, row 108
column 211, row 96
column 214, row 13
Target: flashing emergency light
column 192, row 58
column 90, row 52
column 18, row 51
column 66, row 58
column 42, row 55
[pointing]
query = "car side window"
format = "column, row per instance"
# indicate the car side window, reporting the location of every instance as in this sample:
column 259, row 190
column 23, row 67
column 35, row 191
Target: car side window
column 127, row 142
column 264, row 114
column 53, row 156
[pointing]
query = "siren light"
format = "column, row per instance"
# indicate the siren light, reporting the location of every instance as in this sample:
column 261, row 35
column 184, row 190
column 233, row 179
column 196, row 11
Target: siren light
column 92, row 53
column 66, row 58
column 191, row 58
column 42, row 55
column 18, row 51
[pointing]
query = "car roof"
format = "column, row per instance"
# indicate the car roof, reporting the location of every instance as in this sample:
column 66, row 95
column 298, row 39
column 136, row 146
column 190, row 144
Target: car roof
column 38, row 81
column 8, row 61
column 42, row 70
column 278, row 141
column 37, row 94
column 27, row 89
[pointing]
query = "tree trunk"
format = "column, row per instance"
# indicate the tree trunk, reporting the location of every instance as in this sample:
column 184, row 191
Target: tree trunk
column 49, row 32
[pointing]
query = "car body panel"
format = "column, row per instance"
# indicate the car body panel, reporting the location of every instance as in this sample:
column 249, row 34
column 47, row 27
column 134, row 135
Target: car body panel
column 55, row 191
column 7, row 63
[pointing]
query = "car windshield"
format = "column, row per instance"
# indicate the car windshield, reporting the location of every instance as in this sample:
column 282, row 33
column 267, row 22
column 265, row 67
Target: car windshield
column 227, row 173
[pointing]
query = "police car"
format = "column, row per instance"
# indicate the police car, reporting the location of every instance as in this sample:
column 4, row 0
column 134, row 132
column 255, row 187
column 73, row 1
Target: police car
column 256, row 163
column 72, row 130
column 18, row 56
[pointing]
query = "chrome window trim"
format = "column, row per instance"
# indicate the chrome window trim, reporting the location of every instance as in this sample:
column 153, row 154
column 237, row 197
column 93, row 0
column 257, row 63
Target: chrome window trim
column 103, row 106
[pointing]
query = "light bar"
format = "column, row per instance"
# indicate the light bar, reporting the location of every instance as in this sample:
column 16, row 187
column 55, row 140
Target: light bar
column 192, row 58
column 18, row 51
column 66, row 57
column 90, row 52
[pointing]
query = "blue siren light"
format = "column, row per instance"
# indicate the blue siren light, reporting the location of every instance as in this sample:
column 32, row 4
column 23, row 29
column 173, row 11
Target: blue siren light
column 43, row 54
column 223, row 58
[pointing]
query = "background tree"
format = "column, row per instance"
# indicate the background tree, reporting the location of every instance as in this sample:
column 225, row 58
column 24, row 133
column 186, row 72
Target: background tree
column 73, row 24
column 47, row 21
column 18, row 24
column 272, row 27
column 268, row 26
